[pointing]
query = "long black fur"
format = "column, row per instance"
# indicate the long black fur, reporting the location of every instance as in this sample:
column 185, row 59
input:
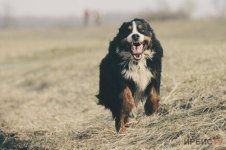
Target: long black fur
column 112, row 82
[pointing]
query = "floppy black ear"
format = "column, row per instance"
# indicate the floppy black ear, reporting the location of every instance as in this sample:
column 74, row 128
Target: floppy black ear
column 156, row 46
column 148, row 26
column 121, row 28
column 115, row 42
column 124, row 23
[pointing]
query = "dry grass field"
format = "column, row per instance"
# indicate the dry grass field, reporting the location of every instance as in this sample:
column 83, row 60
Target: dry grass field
column 48, row 79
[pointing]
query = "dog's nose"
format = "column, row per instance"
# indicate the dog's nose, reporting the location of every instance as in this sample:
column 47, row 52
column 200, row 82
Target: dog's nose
column 135, row 37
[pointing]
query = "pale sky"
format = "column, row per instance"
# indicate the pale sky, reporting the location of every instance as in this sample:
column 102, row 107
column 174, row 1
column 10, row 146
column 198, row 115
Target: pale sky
column 61, row 8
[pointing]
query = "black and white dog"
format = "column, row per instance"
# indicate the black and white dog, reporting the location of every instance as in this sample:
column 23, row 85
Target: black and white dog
column 131, row 72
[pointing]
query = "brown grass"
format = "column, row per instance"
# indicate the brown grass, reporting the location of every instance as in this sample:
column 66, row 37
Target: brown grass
column 48, row 79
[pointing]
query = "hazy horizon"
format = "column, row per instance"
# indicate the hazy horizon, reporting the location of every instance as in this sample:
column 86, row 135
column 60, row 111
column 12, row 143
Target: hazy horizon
column 60, row 8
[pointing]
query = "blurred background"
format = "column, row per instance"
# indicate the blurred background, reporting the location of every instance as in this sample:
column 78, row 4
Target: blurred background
column 74, row 13
column 50, row 51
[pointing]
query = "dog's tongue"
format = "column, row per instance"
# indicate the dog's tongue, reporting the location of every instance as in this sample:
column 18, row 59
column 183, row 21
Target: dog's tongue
column 137, row 49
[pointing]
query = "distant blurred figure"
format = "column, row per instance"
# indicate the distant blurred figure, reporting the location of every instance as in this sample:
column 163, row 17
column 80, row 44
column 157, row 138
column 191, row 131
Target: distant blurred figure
column 97, row 17
column 86, row 17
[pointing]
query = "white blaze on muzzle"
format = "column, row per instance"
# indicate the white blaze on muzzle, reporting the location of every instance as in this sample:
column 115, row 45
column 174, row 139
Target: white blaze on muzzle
column 137, row 47
column 129, row 37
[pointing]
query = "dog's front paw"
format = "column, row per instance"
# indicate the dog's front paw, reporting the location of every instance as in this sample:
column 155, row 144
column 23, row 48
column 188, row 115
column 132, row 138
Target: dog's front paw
column 121, row 130
column 132, row 113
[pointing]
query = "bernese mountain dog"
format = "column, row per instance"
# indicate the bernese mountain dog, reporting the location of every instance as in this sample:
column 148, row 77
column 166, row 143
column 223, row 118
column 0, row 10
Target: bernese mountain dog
column 131, row 72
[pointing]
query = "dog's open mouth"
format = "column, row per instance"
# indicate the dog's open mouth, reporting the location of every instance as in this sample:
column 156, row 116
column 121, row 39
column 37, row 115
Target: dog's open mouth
column 137, row 49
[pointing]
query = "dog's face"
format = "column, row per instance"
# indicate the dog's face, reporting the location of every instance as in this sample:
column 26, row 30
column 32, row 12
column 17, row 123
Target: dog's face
column 135, row 37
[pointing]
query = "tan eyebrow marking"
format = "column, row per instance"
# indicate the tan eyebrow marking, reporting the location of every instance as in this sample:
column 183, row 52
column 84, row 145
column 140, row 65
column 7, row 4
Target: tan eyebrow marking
column 139, row 26
column 130, row 27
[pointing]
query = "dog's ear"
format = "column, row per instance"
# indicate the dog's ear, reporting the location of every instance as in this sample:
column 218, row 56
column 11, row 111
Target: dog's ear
column 156, row 46
column 121, row 30
column 122, row 27
column 116, row 40
column 148, row 27
column 124, row 23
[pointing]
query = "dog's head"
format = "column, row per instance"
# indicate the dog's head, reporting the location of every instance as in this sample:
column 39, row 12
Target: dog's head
column 135, row 37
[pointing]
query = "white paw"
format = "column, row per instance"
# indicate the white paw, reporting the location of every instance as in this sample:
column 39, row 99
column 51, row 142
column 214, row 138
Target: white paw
column 133, row 113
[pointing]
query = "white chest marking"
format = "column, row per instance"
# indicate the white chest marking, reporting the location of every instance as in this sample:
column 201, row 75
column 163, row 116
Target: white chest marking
column 139, row 72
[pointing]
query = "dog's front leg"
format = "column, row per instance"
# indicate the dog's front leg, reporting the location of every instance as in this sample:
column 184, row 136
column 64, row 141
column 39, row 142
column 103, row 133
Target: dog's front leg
column 152, row 102
column 119, row 121
column 128, row 104
column 128, row 109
